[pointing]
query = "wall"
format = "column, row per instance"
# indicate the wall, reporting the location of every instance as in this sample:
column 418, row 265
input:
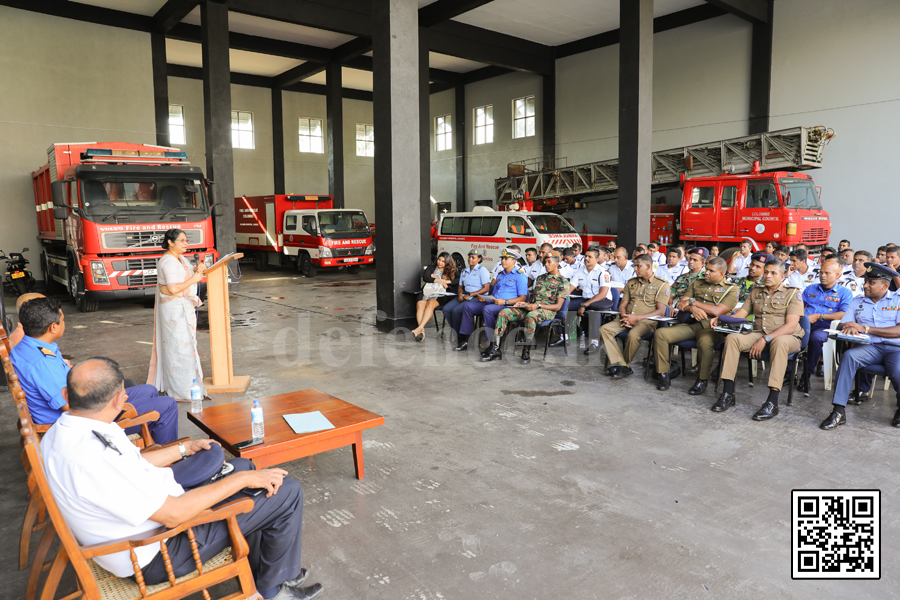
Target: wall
column 304, row 172
column 359, row 171
column 443, row 163
column 46, row 100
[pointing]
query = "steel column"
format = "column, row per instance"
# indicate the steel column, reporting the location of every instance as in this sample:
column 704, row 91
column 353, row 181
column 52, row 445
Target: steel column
column 398, row 160
column 160, row 87
column 278, row 140
column 460, row 140
column 548, row 114
column 217, row 117
column 335, row 132
column 761, row 75
column 635, row 120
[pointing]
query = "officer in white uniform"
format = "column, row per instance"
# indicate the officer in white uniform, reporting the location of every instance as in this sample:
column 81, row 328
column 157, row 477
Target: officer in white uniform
column 673, row 269
column 798, row 279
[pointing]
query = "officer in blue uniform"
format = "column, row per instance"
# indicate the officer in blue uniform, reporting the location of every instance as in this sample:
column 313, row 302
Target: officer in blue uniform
column 825, row 302
column 474, row 281
column 876, row 315
column 42, row 372
column 510, row 287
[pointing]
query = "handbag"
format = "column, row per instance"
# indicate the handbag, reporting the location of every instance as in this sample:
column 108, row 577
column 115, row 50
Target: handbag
column 432, row 289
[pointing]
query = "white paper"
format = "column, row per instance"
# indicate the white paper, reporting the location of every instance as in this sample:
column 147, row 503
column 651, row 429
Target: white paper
column 308, row 422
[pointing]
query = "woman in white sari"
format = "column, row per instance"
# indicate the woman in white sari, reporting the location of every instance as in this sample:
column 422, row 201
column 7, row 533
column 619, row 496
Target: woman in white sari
column 175, row 362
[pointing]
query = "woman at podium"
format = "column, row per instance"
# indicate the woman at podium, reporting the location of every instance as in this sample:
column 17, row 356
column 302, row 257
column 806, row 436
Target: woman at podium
column 175, row 362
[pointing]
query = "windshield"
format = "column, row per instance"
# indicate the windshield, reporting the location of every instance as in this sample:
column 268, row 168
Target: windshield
column 550, row 224
column 803, row 193
column 124, row 197
column 343, row 222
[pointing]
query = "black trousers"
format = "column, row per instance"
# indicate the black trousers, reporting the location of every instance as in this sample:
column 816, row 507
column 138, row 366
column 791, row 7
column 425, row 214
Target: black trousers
column 591, row 324
column 273, row 531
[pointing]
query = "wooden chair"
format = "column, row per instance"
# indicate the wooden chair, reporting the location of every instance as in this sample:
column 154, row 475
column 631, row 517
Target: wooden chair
column 95, row 583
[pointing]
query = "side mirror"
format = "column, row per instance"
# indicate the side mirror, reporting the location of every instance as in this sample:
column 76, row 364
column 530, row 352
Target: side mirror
column 217, row 210
column 24, row 250
column 528, row 231
column 58, row 193
column 60, row 213
column 211, row 191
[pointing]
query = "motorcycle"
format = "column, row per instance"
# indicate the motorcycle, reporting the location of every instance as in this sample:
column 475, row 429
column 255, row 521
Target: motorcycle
column 18, row 277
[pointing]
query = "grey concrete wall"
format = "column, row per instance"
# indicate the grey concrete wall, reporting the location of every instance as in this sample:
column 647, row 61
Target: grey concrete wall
column 443, row 163
column 359, row 171
column 304, row 172
column 46, row 100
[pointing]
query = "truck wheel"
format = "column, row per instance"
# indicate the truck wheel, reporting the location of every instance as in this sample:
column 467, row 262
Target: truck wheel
column 261, row 261
column 354, row 269
column 48, row 277
column 21, row 286
column 81, row 302
column 728, row 253
column 307, row 268
column 460, row 263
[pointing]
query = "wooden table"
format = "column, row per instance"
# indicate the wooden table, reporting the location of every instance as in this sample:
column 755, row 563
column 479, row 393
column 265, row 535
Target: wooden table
column 229, row 424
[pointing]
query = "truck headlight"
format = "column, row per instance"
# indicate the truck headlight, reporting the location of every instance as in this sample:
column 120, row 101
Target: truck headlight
column 324, row 252
column 370, row 249
column 98, row 272
column 791, row 229
column 209, row 260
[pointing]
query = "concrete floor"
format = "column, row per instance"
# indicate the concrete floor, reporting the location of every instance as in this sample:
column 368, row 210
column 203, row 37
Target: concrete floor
column 506, row 481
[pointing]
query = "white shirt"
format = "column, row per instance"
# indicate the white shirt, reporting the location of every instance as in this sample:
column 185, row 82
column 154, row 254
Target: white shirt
column 658, row 258
column 670, row 274
column 537, row 269
column 579, row 260
column 591, row 281
column 802, row 280
column 852, row 283
column 103, row 495
column 567, row 270
column 742, row 265
column 621, row 275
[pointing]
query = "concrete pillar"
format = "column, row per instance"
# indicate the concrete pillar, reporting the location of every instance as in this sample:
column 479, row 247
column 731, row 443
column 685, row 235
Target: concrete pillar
column 217, row 117
column 761, row 75
column 459, row 138
column 548, row 114
column 335, row 131
column 635, row 120
column 160, row 87
column 398, row 158
column 278, row 140
column 425, row 205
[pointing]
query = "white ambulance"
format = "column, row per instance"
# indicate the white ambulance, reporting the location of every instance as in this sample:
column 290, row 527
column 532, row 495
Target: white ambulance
column 492, row 231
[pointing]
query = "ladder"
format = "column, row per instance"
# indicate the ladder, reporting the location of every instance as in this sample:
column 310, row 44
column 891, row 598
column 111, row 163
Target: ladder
column 795, row 149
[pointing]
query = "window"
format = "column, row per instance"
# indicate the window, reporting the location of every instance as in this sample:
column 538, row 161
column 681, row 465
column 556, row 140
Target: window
column 311, row 139
column 762, row 195
column 309, row 225
column 484, row 125
column 703, row 197
column 290, row 223
column 176, row 125
column 447, row 226
column 443, row 130
column 365, row 140
column 489, row 225
column 551, row 224
column 241, row 129
column 523, row 117
column 515, row 225
column 729, row 196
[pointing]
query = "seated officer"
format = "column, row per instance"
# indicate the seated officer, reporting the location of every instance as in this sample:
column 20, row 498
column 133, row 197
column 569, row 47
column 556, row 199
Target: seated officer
column 498, row 268
column 510, row 287
column 696, row 258
column 754, row 275
column 673, row 269
column 16, row 335
column 589, row 292
column 42, row 373
column 711, row 296
column 107, row 489
column 804, row 274
column 550, row 292
column 644, row 296
column 474, row 281
column 825, row 302
column 777, row 309
column 877, row 315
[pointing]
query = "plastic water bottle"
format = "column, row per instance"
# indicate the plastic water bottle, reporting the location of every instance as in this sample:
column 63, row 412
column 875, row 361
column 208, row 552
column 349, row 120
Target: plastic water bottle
column 257, row 425
column 196, row 397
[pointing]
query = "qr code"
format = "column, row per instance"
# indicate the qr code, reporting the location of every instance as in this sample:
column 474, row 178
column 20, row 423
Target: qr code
column 836, row 534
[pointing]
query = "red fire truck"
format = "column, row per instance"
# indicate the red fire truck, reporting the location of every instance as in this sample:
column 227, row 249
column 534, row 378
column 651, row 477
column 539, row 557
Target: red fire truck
column 306, row 230
column 102, row 211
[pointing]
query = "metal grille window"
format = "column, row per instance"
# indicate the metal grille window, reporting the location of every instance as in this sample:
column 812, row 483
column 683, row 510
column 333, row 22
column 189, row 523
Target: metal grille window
column 241, row 129
column 176, row 125
column 365, row 139
column 484, row 125
column 523, row 117
column 443, row 130
column 311, row 139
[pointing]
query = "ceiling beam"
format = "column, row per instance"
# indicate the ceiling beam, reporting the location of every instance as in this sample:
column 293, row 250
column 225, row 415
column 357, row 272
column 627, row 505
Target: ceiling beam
column 490, row 47
column 755, row 11
column 254, row 43
column 85, row 12
column 298, row 74
column 172, row 13
column 484, row 73
column 444, row 10
column 331, row 15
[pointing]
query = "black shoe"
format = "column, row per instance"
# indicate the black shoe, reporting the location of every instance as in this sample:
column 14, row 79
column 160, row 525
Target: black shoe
column 610, row 370
column 526, row 354
column 558, row 343
column 724, row 402
column 833, row 420
column 591, row 349
column 859, row 398
column 664, row 382
column 493, row 353
column 298, row 580
column 462, row 343
column 698, row 388
column 768, row 410
column 895, row 422
column 674, row 371
column 299, row 593
column 622, row 372
column 803, row 385
column 820, row 370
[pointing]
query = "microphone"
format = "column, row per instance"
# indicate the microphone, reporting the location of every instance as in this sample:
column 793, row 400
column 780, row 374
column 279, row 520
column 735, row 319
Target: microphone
column 197, row 258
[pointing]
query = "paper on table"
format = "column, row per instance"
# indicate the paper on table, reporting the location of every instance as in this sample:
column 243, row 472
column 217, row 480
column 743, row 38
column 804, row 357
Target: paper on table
column 853, row 339
column 662, row 319
column 308, row 422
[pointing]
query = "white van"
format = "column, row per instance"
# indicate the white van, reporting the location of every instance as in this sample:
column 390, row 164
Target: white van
column 492, row 231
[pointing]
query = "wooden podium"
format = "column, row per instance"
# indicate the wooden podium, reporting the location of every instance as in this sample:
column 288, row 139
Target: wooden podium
column 223, row 379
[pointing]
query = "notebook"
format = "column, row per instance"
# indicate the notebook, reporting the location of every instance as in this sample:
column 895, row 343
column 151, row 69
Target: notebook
column 308, row 422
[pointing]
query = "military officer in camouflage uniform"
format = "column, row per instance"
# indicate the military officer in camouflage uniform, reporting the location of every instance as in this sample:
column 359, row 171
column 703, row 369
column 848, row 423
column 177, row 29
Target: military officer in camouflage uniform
column 644, row 296
column 754, row 276
column 777, row 309
column 696, row 260
column 711, row 296
column 550, row 291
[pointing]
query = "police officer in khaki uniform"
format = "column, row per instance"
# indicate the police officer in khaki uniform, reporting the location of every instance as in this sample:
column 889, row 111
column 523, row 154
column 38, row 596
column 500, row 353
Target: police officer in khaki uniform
column 710, row 296
column 644, row 296
column 777, row 309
